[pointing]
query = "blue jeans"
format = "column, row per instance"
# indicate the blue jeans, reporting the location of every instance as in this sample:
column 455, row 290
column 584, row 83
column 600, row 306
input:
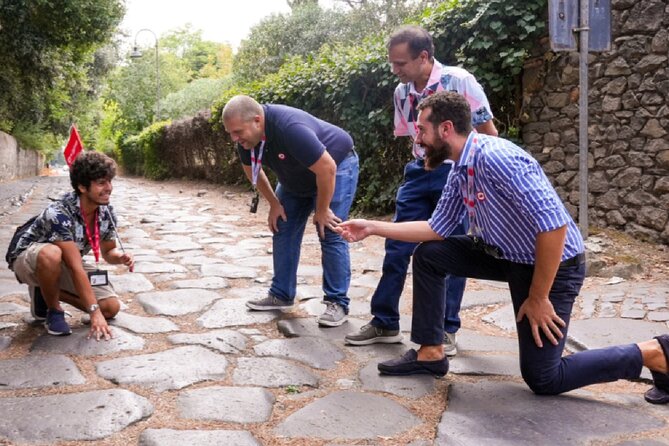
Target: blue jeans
column 287, row 242
column 417, row 197
column 543, row 368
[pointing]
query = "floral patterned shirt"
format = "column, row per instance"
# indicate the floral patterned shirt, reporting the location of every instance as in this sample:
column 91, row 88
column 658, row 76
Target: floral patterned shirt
column 62, row 221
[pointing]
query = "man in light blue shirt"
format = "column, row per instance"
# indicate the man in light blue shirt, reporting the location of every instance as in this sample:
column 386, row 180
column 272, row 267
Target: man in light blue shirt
column 520, row 233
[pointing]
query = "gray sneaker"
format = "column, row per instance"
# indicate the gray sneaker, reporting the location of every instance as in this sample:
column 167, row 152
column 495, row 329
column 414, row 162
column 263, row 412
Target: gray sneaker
column 369, row 334
column 271, row 302
column 450, row 347
column 333, row 316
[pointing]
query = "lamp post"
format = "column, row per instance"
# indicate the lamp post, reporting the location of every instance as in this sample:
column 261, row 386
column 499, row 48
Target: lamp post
column 137, row 54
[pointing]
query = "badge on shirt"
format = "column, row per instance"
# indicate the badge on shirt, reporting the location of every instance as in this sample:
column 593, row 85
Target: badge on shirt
column 282, row 156
column 98, row 277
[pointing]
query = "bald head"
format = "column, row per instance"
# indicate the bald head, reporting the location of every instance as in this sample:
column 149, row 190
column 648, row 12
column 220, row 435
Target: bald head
column 242, row 107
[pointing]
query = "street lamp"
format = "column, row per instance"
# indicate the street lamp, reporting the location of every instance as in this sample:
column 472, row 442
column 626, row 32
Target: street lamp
column 137, row 54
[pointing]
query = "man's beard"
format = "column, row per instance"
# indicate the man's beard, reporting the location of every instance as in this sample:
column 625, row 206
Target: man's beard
column 436, row 154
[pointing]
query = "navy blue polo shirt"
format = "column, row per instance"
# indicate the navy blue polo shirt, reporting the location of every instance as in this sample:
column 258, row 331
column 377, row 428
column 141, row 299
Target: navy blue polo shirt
column 295, row 140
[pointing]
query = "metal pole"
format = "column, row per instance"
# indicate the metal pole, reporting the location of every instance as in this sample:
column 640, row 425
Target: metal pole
column 157, row 83
column 583, row 117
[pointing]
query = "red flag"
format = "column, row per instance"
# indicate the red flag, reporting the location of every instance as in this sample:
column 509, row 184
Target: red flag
column 73, row 147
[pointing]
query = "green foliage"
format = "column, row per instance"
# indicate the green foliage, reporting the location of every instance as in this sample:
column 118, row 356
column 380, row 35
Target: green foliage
column 352, row 86
column 198, row 95
column 50, row 69
column 491, row 39
column 149, row 140
column 35, row 137
column 202, row 58
column 139, row 154
column 278, row 38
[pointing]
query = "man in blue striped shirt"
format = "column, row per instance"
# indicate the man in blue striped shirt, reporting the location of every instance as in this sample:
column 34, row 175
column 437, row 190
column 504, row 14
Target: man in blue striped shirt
column 520, row 233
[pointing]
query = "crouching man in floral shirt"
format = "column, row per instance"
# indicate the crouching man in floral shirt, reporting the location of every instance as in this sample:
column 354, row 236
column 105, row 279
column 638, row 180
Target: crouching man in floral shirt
column 47, row 254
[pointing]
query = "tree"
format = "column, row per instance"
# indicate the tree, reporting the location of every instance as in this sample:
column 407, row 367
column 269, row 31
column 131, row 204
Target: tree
column 279, row 37
column 202, row 57
column 50, row 69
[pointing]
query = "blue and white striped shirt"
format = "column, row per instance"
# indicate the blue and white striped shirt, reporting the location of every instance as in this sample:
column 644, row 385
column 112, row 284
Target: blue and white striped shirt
column 514, row 200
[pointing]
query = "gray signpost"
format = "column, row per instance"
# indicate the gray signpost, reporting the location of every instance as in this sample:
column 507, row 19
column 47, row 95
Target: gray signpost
column 592, row 20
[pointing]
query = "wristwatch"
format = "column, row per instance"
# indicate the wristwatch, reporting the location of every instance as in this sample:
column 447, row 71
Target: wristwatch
column 92, row 308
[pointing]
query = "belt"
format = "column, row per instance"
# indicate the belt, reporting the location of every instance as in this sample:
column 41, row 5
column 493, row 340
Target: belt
column 574, row 261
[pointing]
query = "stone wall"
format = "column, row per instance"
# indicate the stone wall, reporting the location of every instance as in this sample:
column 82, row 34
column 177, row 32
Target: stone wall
column 628, row 127
column 16, row 162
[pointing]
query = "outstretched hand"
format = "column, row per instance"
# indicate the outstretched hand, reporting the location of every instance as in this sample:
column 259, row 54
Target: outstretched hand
column 99, row 327
column 541, row 315
column 354, row 230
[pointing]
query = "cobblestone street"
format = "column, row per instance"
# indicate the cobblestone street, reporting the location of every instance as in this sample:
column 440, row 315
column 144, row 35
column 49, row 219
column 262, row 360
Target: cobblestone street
column 189, row 365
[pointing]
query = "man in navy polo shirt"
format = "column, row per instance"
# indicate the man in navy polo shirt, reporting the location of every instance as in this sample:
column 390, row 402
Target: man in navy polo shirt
column 317, row 170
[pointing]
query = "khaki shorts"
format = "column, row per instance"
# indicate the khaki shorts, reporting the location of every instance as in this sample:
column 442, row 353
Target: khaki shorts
column 25, row 267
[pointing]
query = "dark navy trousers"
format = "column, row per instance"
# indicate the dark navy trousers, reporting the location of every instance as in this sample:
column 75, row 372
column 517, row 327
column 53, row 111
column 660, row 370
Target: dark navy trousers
column 417, row 197
column 543, row 369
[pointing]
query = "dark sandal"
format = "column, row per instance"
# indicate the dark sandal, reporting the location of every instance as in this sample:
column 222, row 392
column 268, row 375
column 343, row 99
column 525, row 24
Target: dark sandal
column 659, row 393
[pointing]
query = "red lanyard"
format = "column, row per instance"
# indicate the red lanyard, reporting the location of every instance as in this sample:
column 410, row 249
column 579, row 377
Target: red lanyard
column 256, row 163
column 94, row 240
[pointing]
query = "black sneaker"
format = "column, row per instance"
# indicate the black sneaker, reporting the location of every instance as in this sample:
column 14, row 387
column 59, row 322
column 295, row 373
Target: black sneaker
column 55, row 323
column 38, row 306
column 408, row 364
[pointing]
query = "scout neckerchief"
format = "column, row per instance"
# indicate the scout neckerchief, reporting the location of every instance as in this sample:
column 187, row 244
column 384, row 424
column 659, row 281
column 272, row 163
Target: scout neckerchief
column 468, row 191
column 418, row 151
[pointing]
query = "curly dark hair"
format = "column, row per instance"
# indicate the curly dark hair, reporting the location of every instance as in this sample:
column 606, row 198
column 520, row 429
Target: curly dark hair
column 90, row 166
column 448, row 106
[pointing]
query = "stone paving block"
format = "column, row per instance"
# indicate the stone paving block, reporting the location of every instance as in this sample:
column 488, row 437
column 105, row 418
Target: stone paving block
column 228, row 404
column 481, row 365
column 142, row 324
column 504, row 413
column 503, row 318
column 658, row 316
column 207, row 283
column 171, row 437
column 7, row 308
column 633, row 314
column 348, row 415
column 147, row 258
column 295, row 327
column 79, row 344
column 210, row 240
column 4, row 325
column 233, row 252
column 225, row 341
column 229, row 271
column 369, row 280
column 316, row 353
column 130, row 283
column 39, row 371
column 169, row 369
column 469, row 340
column 152, row 268
column 475, row 298
column 133, row 232
column 607, row 310
column 177, row 302
column 232, row 312
column 272, row 372
column 598, row 333
column 77, row 416
column 643, row 442
column 178, row 246
column 10, row 287
column 5, row 342
column 200, row 260
column 415, row 386
column 264, row 262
